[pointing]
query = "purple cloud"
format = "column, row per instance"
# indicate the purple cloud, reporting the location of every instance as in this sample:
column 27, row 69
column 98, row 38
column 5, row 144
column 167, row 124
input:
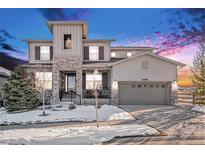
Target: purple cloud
column 190, row 30
column 64, row 14
column 5, row 37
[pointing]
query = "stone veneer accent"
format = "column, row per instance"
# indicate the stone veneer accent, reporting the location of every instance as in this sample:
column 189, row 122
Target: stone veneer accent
column 71, row 63
column 114, row 93
column 172, row 94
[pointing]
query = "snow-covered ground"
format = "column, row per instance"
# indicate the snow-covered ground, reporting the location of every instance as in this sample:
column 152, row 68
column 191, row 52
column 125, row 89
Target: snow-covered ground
column 57, row 114
column 77, row 135
column 199, row 108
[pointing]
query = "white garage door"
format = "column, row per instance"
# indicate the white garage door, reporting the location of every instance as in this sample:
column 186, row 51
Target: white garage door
column 132, row 93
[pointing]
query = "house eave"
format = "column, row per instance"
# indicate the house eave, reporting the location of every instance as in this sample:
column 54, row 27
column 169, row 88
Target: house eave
column 33, row 65
column 37, row 41
column 99, row 40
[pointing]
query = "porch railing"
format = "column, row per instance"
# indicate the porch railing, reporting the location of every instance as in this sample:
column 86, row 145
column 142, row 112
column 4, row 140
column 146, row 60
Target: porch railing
column 72, row 96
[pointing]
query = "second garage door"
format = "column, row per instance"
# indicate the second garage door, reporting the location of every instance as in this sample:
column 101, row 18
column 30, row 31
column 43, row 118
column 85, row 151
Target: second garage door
column 133, row 93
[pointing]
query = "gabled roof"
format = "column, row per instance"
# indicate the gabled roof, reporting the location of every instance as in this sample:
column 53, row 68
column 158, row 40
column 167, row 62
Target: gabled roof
column 37, row 41
column 151, row 54
column 4, row 72
column 99, row 40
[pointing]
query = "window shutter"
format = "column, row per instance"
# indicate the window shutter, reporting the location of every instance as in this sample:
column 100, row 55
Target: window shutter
column 101, row 52
column 84, row 81
column 86, row 52
column 105, row 81
column 51, row 52
column 37, row 52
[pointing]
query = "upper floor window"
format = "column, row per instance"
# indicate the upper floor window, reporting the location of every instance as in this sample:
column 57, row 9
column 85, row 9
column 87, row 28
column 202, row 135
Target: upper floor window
column 93, row 53
column 144, row 65
column 67, row 41
column 113, row 54
column 129, row 54
column 44, row 52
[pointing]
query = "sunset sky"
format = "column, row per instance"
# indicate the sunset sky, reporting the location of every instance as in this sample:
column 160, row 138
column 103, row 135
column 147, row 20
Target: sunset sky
column 174, row 32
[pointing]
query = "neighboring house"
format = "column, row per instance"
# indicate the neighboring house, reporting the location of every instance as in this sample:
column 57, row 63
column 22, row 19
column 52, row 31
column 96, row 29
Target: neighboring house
column 4, row 75
column 127, row 75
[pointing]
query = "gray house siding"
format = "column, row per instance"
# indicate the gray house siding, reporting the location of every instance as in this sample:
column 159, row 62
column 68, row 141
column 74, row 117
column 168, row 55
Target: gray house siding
column 76, row 37
column 122, row 52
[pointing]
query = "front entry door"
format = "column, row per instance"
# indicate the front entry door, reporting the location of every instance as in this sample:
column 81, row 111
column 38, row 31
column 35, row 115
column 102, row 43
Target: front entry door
column 70, row 82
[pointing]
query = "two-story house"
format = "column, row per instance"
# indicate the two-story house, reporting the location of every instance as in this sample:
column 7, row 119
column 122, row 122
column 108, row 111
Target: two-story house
column 73, row 65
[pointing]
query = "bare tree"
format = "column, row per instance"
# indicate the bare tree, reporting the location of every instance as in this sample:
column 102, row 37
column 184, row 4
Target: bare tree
column 42, row 85
column 96, row 92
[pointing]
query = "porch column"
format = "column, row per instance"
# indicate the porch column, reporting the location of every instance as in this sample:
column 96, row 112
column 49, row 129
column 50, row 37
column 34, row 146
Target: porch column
column 79, row 81
column 56, row 86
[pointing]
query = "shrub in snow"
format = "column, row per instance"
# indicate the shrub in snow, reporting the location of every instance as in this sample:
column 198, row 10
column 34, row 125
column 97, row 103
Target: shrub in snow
column 18, row 94
column 72, row 105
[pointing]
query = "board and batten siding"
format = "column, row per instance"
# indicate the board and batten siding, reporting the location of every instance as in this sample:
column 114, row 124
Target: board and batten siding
column 32, row 56
column 158, row 70
column 59, row 30
column 106, row 46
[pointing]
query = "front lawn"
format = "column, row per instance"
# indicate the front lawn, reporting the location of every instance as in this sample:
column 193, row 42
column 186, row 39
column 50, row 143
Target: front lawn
column 63, row 114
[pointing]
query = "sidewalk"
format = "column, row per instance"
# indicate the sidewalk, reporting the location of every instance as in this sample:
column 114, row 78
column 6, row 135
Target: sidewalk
column 69, row 124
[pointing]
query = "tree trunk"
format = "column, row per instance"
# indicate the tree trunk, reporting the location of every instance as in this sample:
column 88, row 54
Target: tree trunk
column 96, row 105
column 44, row 105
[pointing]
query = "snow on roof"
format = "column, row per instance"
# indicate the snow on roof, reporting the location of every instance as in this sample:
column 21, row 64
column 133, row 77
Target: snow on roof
column 4, row 72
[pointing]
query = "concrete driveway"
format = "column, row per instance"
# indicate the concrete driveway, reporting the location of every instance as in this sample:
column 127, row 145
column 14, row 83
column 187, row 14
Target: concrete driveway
column 177, row 123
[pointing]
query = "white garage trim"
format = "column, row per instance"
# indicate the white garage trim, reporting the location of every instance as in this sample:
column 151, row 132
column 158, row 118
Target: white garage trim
column 143, row 93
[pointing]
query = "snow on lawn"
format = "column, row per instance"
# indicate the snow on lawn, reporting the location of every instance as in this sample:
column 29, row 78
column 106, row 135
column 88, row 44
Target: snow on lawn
column 199, row 108
column 57, row 114
column 77, row 135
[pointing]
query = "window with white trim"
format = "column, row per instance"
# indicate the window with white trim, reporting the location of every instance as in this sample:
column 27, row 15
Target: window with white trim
column 144, row 65
column 43, row 80
column 44, row 52
column 93, row 53
column 113, row 54
column 93, row 81
column 129, row 54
